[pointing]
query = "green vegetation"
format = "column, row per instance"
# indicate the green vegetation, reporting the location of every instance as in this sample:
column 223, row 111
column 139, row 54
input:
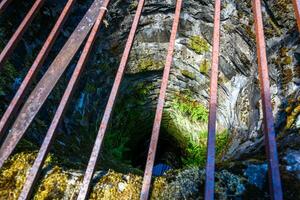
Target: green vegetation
column 128, row 115
column 191, row 108
column 7, row 76
column 198, row 44
column 148, row 64
column 204, row 66
column 196, row 152
column 188, row 74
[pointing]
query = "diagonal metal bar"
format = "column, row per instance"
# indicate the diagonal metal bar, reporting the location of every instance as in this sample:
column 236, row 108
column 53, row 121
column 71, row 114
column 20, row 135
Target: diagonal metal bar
column 211, row 138
column 3, row 5
column 159, row 110
column 296, row 4
column 12, row 43
column 49, row 80
column 109, row 107
column 39, row 161
column 269, row 131
column 15, row 103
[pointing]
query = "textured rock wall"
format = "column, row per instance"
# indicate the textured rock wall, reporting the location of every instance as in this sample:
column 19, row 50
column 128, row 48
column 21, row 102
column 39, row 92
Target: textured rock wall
column 240, row 150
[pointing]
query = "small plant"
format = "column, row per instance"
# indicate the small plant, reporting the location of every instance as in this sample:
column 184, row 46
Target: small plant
column 195, row 153
column 148, row 64
column 204, row 66
column 198, row 44
column 194, row 109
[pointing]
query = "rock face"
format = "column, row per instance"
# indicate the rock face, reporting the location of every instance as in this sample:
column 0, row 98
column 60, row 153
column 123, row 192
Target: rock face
column 184, row 128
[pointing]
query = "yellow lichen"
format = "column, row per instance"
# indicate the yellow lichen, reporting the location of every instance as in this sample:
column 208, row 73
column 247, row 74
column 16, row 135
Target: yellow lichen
column 13, row 174
column 53, row 185
column 117, row 186
column 292, row 117
column 158, row 187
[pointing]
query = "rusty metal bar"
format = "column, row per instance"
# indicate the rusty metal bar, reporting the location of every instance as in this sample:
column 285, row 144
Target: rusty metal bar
column 159, row 110
column 269, row 131
column 12, row 43
column 211, row 138
column 38, row 164
column 83, row 193
column 15, row 103
column 296, row 4
column 3, row 5
column 49, row 80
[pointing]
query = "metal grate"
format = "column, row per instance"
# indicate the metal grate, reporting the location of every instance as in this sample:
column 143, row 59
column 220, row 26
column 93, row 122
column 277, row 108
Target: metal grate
column 88, row 27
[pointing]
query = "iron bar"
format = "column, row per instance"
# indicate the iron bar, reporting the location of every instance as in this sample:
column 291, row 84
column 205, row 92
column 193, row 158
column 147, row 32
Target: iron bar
column 12, row 43
column 296, row 4
column 159, row 110
column 48, row 81
column 109, row 107
column 211, row 138
column 15, row 103
column 3, row 5
column 39, row 161
column 269, row 131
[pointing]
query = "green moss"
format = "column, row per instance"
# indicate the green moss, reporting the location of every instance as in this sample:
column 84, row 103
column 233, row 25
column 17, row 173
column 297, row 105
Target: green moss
column 148, row 64
column 204, row 66
column 198, row 44
column 191, row 108
column 188, row 74
column 195, row 154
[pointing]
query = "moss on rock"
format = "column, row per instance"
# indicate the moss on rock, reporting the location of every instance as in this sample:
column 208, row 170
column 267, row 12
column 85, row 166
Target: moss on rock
column 117, row 186
column 188, row 74
column 198, row 44
column 204, row 66
column 53, row 186
column 148, row 64
column 13, row 174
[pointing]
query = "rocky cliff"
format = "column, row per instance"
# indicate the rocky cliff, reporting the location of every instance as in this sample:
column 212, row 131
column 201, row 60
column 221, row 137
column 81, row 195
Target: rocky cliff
column 241, row 160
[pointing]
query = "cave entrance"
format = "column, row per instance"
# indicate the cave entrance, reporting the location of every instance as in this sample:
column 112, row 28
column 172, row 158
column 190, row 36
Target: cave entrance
column 168, row 152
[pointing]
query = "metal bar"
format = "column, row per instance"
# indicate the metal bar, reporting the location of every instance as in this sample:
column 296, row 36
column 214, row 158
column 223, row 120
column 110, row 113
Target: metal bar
column 12, row 43
column 49, row 80
column 269, row 131
column 83, row 193
column 159, row 110
column 211, row 138
column 15, row 103
column 296, row 4
column 38, row 164
column 3, row 5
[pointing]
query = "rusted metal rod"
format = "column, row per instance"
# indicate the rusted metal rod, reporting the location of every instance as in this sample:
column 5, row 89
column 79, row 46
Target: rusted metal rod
column 159, row 110
column 296, row 4
column 15, row 103
column 269, row 131
column 40, row 93
column 109, row 107
column 3, row 5
column 211, row 138
column 12, row 43
column 37, row 166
